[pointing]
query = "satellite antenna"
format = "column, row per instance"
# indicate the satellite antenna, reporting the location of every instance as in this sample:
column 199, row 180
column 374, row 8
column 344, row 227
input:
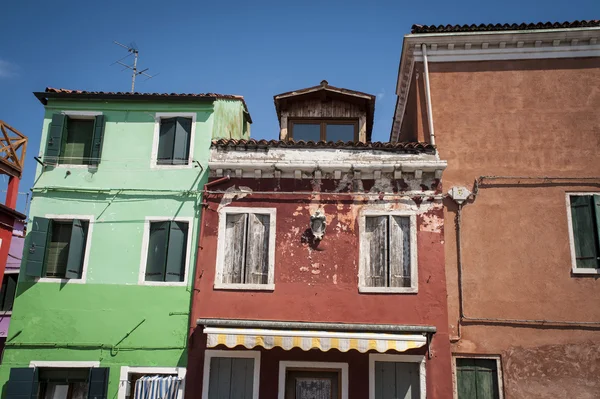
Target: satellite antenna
column 132, row 49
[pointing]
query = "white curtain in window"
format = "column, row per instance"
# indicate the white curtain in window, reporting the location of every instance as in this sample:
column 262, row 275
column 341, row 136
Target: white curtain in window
column 157, row 387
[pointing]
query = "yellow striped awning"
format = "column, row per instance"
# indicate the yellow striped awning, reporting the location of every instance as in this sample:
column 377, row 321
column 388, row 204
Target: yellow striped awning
column 306, row 340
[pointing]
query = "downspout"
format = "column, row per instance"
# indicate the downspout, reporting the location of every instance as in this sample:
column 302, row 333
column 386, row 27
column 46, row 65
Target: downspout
column 428, row 95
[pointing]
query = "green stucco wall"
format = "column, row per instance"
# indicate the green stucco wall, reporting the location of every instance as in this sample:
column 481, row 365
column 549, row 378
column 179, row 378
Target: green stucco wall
column 110, row 317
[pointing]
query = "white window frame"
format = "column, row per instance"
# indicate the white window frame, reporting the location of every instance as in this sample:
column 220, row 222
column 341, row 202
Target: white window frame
column 319, row 366
column 75, row 115
column 86, row 256
column 363, row 267
column 154, row 158
column 124, row 384
column 380, row 357
column 210, row 353
column 9, row 271
column 574, row 268
column 146, row 241
column 498, row 360
column 65, row 364
column 221, row 245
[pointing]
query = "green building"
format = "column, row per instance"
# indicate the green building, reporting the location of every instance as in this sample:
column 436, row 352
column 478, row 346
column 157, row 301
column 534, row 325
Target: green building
column 103, row 297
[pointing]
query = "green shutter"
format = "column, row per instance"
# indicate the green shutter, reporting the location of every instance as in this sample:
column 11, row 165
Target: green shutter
column 76, row 250
column 98, row 383
column 166, row 140
column 56, row 134
column 157, row 251
column 477, row 379
column 22, row 383
column 78, row 144
column 35, row 249
column 397, row 380
column 584, row 231
column 176, row 252
column 97, row 140
column 230, row 378
column 181, row 142
column 597, row 220
column 57, row 255
column 7, row 295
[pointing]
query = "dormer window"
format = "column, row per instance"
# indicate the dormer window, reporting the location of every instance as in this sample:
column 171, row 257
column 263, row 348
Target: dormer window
column 323, row 129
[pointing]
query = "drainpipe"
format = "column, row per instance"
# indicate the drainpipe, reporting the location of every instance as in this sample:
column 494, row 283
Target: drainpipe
column 428, row 96
column 205, row 205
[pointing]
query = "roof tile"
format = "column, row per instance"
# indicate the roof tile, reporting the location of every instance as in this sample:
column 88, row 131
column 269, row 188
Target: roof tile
column 503, row 27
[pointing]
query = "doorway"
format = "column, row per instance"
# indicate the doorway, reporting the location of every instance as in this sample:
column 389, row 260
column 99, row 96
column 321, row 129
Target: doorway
column 312, row 384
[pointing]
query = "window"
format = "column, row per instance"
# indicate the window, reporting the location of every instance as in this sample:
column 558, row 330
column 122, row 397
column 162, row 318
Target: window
column 8, row 291
column 477, row 378
column 174, row 134
column 151, row 382
column 584, row 229
column 323, row 130
column 246, row 248
column 388, row 252
column 75, row 139
column 320, row 380
column 231, row 374
column 397, row 376
column 57, row 248
column 167, row 251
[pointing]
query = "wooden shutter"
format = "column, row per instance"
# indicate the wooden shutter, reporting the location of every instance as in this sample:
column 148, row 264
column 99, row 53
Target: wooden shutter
column 177, row 247
column 7, row 295
column 77, row 146
column 181, row 142
column 231, row 378
column 235, row 247
column 257, row 249
column 477, row 378
column 376, row 257
column 36, row 246
column 76, row 249
column 157, row 251
column 400, row 273
column 22, row 383
column 397, row 380
column 57, row 255
column 166, row 141
column 98, row 383
column 97, row 140
column 55, row 138
column 584, row 232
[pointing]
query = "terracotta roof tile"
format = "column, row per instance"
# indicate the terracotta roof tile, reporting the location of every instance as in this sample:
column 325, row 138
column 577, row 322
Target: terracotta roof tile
column 503, row 27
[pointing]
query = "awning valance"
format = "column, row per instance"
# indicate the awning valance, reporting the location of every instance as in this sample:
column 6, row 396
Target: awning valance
column 306, row 340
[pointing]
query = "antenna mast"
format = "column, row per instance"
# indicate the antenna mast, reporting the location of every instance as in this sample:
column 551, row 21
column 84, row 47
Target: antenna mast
column 132, row 49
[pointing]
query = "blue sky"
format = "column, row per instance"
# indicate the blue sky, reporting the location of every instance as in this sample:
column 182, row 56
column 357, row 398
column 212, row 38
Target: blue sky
column 253, row 48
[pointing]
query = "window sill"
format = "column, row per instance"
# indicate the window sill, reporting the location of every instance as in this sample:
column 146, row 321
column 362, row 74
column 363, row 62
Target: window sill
column 245, row 287
column 59, row 280
column 6, row 313
column 164, row 283
column 74, row 166
column 388, row 290
column 585, row 271
column 190, row 165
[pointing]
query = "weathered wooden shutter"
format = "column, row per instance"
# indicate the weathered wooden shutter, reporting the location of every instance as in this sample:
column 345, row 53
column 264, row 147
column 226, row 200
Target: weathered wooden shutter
column 181, row 142
column 235, row 247
column 399, row 251
column 376, row 256
column 477, row 378
column 257, row 249
column 231, row 378
column 76, row 249
column 36, row 247
column 22, row 383
column 55, row 138
column 97, row 140
column 178, row 233
column 166, row 141
column 98, row 383
column 7, row 294
column 397, row 380
column 157, row 251
column 584, row 231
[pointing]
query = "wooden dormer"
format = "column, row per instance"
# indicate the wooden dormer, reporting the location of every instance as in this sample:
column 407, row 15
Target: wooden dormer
column 325, row 113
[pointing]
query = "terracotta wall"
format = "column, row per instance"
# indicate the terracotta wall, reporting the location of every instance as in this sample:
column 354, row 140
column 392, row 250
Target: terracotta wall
column 521, row 118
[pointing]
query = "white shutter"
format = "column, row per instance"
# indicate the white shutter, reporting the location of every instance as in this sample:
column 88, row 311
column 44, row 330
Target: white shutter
column 399, row 251
column 376, row 257
column 235, row 248
column 257, row 249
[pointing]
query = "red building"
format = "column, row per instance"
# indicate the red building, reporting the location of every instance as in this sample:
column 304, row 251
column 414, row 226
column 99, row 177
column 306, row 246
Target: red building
column 321, row 265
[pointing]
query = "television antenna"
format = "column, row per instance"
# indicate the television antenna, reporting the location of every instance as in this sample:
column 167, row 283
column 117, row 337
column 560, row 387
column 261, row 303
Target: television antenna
column 133, row 50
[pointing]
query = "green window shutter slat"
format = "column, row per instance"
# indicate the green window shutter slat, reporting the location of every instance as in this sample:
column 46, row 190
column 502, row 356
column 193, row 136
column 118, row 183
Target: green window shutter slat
column 22, row 383
column 166, row 140
column 242, row 371
column 176, row 252
column 377, row 251
column 76, row 250
column 399, row 257
column 9, row 288
column 235, row 247
column 181, row 142
column 407, row 379
column 584, row 232
column 220, row 378
column 98, row 383
column 35, row 249
column 466, row 379
column 55, row 138
column 257, row 249
column 597, row 220
column 157, row 251
column 97, row 140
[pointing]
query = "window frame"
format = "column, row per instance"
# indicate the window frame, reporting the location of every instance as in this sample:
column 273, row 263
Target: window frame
column 221, row 244
column 146, row 241
column 363, row 267
column 87, row 115
column 246, row 354
column 498, row 360
column 86, row 255
column 154, row 157
column 383, row 357
column 341, row 367
column 574, row 269
column 323, row 122
column 9, row 312
column 124, row 376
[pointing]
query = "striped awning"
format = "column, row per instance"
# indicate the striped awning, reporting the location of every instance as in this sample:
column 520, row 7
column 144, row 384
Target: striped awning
column 306, row 340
